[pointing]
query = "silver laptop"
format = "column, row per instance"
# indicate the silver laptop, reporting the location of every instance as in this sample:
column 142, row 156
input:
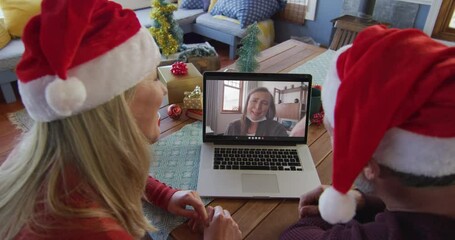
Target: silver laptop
column 270, row 160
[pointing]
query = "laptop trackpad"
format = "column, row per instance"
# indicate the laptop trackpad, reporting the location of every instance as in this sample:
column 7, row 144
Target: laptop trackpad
column 260, row 183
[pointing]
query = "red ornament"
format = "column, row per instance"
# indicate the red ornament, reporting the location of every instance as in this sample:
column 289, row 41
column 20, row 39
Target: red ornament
column 317, row 118
column 179, row 68
column 174, row 111
column 317, row 86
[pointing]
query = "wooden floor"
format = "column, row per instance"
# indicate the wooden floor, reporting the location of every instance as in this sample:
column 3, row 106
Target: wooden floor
column 9, row 134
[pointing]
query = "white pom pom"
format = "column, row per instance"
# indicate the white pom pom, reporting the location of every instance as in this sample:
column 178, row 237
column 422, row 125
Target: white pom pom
column 336, row 207
column 65, row 96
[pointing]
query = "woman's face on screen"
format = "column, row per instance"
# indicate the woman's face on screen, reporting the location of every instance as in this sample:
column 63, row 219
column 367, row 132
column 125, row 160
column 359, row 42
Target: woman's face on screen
column 258, row 105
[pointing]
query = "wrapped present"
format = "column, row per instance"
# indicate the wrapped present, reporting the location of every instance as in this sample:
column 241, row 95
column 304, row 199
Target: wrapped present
column 177, row 85
column 193, row 100
column 202, row 55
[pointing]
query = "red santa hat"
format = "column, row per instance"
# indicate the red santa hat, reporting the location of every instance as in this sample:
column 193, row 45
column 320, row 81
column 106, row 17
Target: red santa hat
column 390, row 95
column 80, row 54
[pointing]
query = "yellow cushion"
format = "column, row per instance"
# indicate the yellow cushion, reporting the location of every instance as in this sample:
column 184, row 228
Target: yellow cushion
column 17, row 13
column 266, row 34
column 212, row 4
column 221, row 17
column 5, row 38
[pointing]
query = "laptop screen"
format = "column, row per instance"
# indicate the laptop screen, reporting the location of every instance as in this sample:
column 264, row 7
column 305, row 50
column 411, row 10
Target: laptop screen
column 256, row 108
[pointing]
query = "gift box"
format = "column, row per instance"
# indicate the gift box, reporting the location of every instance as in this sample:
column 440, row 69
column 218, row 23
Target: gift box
column 177, row 85
column 193, row 100
column 208, row 63
column 192, row 103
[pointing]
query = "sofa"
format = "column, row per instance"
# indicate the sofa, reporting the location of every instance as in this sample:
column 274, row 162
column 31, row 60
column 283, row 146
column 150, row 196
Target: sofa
column 223, row 20
column 220, row 28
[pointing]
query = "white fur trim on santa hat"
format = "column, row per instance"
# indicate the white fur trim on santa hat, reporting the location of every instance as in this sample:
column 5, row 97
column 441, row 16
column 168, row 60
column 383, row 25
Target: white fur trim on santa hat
column 330, row 87
column 65, row 96
column 336, row 207
column 104, row 78
column 408, row 152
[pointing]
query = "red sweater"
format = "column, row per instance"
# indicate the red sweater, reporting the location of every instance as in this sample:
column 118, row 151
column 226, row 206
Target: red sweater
column 89, row 228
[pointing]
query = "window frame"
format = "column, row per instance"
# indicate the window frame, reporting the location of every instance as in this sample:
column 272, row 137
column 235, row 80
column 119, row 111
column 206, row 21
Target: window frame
column 441, row 28
column 311, row 10
column 240, row 97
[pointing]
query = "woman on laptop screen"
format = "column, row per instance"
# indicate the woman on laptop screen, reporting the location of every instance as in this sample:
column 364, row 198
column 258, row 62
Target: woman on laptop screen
column 258, row 117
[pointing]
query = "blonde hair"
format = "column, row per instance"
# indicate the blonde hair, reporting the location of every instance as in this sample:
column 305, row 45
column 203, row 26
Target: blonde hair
column 103, row 148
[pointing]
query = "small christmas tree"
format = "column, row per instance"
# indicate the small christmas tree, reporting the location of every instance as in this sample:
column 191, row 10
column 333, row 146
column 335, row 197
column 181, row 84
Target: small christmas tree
column 167, row 33
column 250, row 49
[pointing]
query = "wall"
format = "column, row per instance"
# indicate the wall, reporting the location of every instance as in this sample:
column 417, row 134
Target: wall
column 321, row 28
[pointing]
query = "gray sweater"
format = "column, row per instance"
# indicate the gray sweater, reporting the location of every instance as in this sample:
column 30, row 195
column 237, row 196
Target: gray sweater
column 265, row 128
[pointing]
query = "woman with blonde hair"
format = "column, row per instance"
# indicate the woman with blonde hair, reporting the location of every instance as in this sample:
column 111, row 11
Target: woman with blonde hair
column 88, row 79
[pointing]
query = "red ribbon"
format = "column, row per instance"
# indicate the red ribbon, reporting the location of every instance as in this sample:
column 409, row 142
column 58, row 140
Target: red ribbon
column 179, row 68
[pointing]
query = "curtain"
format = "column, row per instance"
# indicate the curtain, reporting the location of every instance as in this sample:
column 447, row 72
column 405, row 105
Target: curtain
column 213, row 108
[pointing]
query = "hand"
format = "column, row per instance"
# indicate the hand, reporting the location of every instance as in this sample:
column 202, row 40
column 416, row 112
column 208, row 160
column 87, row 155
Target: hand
column 179, row 201
column 222, row 226
column 308, row 205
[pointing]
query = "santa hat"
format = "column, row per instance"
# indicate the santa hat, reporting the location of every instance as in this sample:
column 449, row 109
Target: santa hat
column 390, row 95
column 80, row 54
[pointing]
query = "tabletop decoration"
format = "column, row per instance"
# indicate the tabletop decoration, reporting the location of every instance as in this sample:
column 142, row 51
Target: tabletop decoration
column 317, row 118
column 316, row 110
column 249, row 50
column 179, row 68
column 167, row 33
column 175, row 161
column 174, row 111
column 193, row 100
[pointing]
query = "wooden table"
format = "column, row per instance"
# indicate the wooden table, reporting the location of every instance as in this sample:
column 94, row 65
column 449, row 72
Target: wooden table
column 267, row 218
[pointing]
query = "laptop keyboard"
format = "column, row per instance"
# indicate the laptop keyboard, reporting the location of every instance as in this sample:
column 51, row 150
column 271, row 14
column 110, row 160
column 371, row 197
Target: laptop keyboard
column 257, row 159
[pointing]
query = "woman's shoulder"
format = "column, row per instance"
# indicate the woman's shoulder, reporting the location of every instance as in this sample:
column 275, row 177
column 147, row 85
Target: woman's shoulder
column 235, row 122
column 272, row 122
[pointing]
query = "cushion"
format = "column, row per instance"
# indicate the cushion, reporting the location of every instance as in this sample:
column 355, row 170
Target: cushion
column 4, row 35
column 266, row 35
column 17, row 13
column 212, row 5
column 223, row 26
column 182, row 16
column 187, row 16
column 191, row 4
column 11, row 54
column 246, row 11
column 221, row 17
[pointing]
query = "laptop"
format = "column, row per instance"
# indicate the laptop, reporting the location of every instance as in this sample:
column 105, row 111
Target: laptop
column 270, row 162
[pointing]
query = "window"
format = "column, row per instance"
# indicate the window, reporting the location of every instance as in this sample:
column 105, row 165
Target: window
column 297, row 11
column 300, row 7
column 232, row 96
column 444, row 27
